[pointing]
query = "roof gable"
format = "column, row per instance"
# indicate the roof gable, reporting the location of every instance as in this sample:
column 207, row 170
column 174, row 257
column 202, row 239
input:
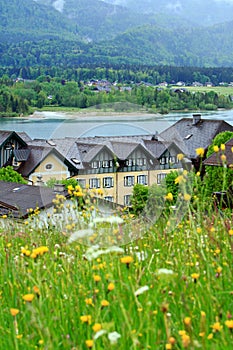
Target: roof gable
column 190, row 136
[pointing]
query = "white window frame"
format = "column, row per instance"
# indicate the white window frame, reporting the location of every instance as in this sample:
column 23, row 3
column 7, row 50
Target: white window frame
column 127, row 198
column 94, row 182
column 129, row 181
column 161, row 177
column 95, row 164
column 81, row 182
column 108, row 182
column 142, row 179
column 109, row 198
column 172, row 159
column 105, row 163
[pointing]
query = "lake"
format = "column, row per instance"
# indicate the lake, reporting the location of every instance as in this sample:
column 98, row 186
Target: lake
column 57, row 125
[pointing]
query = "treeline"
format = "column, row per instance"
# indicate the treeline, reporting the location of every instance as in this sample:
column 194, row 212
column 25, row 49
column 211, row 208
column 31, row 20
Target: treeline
column 123, row 73
column 25, row 96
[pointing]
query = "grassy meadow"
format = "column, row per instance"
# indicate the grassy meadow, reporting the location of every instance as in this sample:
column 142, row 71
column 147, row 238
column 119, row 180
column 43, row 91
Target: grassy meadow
column 162, row 289
column 220, row 90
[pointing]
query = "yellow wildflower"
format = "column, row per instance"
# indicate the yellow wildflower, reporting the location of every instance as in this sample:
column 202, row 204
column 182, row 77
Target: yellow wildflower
column 97, row 278
column 111, row 286
column 186, row 340
column 200, row 152
column 187, row 321
column 104, row 303
column 14, row 312
column 96, row 327
column 180, row 156
column 230, row 232
column 36, row 290
column 89, row 343
column 217, row 327
column 187, row 197
column 169, row 197
column 216, row 148
column 89, row 301
column 223, row 158
column 223, row 147
column 229, row 324
column 86, row 319
column 179, row 179
column 28, row 297
column 127, row 260
column 195, row 276
column 210, row 336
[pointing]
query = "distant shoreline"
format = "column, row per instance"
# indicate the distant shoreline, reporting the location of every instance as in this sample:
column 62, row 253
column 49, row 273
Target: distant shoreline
column 86, row 114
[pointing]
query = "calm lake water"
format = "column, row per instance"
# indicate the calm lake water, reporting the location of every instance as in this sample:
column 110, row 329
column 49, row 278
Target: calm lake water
column 51, row 124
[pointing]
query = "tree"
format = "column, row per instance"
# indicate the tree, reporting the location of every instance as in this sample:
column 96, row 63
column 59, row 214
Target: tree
column 8, row 174
column 218, row 178
column 139, row 198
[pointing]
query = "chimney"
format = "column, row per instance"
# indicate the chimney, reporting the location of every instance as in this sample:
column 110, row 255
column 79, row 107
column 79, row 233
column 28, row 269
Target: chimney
column 39, row 181
column 155, row 137
column 59, row 188
column 196, row 118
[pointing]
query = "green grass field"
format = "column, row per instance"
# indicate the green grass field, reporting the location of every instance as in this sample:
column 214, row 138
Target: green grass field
column 221, row 90
column 167, row 289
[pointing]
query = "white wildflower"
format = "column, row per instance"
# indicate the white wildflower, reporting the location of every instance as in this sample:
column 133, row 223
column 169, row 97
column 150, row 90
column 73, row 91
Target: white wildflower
column 99, row 334
column 95, row 251
column 141, row 290
column 80, row 234
column 113, row 337
column 165, row 272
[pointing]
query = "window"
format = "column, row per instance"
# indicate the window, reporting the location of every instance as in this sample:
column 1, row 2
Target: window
column 128, row 181
column 163, row 160
column 95, row 164
column 82, row 182
column 130, row 162
column 142, row 179
column 109, row 198
column 127, row 198
column 141, row 161
column 161, row 177
column 172, row 159
column 94, row 183
column 108, row 182
column 48, row 166
column 105, row 164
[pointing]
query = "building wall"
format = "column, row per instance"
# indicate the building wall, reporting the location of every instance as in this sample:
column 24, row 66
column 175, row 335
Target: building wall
column 50, row 167
column 123, row 182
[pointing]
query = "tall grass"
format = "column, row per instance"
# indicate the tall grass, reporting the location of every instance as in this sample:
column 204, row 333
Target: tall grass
column 165, row 290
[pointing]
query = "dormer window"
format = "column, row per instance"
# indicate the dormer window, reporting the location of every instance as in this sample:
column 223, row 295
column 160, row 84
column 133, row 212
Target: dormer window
column 95, row 164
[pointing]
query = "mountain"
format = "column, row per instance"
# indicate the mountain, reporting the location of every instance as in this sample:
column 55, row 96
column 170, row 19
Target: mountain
column 96, row 20
column 202, row 12
column 74, row 32
column 188, row 47
column 27, row 20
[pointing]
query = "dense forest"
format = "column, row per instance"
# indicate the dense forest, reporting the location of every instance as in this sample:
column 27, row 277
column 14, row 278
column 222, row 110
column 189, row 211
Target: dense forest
column 35, row 34
column 23, row 96
column 121, row 73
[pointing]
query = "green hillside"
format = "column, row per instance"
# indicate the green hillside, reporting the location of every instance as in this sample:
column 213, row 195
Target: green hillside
column 96, row 33
column 27, row 20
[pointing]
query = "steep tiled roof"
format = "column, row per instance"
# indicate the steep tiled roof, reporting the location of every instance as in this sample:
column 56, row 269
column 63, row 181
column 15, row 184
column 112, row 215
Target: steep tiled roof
column 16, row 199
column 4, row 136
column 37, row 154
column 189, row 136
